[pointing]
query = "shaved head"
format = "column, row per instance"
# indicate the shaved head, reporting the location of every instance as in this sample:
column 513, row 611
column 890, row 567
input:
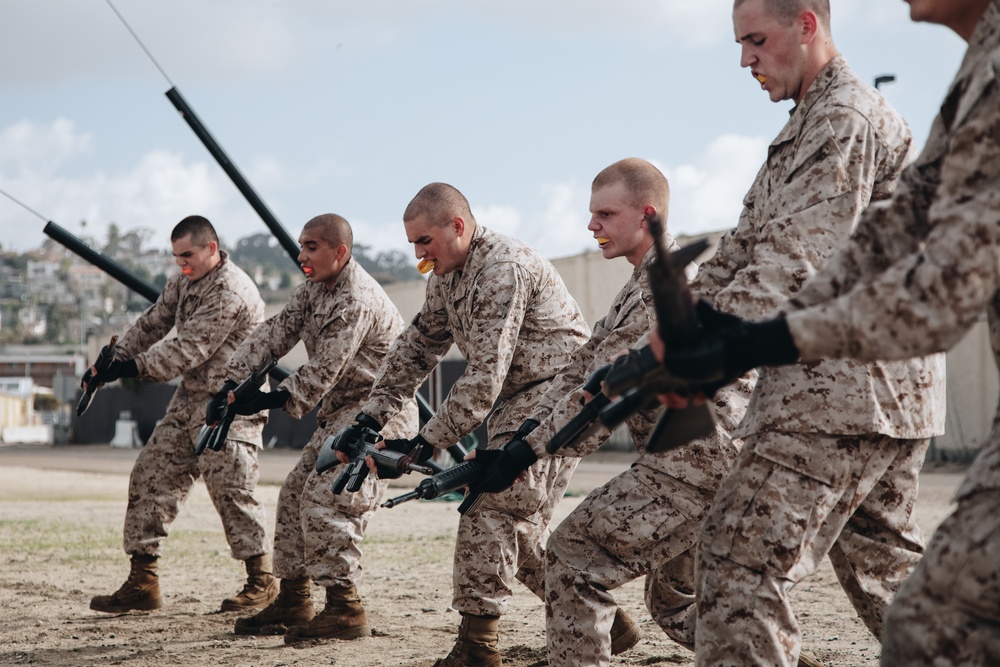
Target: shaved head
column 789, row 10
column 333, row 229
column 440, row 203
column 201, row 230
column 644, row 183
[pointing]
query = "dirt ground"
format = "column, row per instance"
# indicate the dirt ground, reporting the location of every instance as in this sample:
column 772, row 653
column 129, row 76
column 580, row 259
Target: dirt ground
column 61, row 512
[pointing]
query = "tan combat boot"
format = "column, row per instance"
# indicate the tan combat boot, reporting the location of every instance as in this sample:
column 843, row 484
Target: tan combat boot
column 624, row 633
column 478, row 637
column 343, row 618
column 293, row 606
column 140, row 592
column 261, row 587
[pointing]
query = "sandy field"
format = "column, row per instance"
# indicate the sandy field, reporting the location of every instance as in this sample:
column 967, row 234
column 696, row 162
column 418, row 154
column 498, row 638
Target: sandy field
column 61, row 512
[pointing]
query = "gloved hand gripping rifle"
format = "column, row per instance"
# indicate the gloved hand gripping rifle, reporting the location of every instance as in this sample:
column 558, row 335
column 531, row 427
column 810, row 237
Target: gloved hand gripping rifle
column 358, row 443
column 90, row 387
column 638, row 377
column 214, row 437
column 465, row 474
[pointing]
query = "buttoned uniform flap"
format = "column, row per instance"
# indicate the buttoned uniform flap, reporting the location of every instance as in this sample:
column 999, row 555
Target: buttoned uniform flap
column 637, row 508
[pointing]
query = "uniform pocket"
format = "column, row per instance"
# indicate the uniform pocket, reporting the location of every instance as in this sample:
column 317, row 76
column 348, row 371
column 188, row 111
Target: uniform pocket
column 635, row 509
column 767, row 517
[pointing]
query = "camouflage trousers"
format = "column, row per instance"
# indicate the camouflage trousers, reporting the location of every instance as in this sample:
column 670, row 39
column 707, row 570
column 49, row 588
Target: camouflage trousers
column 505, row 539
column 318, row 533
column 948, row 612
column 163, row 475
column 790, row 500
column 641, row 523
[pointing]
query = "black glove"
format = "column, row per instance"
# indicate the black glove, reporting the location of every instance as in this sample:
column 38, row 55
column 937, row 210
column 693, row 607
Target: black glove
column 502, row 467
column 107, row 352
column 733, row 344
column 116, row 370
column 216, row 404
column 348, row 440
column 260, row 400
column 405, row 446
column 351, row 438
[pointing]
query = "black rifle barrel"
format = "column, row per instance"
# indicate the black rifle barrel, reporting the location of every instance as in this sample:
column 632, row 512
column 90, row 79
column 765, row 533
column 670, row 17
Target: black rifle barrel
column 241, row 183
column 106, row 264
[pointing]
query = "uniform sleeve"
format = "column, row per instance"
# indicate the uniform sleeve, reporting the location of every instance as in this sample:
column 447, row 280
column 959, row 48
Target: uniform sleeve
column 732, row 253
column 336, row 346
column 411, row 358
column 205, row 331
column 500, row 298
column 272, row 339
column 154, row 323
column 566, row 389
column 805, row 218
column 924, row 302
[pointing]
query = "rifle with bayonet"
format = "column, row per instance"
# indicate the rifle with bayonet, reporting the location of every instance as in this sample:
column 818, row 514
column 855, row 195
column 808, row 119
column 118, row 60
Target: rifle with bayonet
column 214, row 436
column 465, row 474
column 638, row 376
column 101, row 365
column 358, row 442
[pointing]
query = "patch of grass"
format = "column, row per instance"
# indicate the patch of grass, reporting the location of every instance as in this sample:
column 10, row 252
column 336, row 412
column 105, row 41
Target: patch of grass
column 59, row 541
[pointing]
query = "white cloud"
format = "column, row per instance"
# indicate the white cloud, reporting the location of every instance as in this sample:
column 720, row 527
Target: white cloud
column 707, row 195
column 558, row 229
column 33, row 150
column 260, row 40
column 156, row 192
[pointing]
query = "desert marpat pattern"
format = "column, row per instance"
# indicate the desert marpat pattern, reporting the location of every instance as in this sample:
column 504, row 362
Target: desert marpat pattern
column 512, row 318
column 829, row 438
column 644, row 521
column 212, row 316
column 920, row 272
column 346, row 330
column 842, row 148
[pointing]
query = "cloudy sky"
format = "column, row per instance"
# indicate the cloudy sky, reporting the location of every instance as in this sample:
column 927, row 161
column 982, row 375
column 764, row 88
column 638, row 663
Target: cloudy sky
column 351, row 107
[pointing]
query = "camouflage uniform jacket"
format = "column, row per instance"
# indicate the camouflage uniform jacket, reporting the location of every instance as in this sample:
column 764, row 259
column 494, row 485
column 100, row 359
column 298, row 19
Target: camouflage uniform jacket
column 923, row 267
column 212, row 317
column 347, row 331
column 629, row 319
column 512, row 318
column 842, row 147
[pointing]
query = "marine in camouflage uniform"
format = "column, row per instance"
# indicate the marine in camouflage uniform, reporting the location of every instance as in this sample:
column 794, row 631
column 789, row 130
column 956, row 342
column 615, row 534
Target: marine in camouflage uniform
column 831, row 448
column 645, row 520
column 213, row 305
column 919, row 273
column 512, row 318
column 347, row 323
